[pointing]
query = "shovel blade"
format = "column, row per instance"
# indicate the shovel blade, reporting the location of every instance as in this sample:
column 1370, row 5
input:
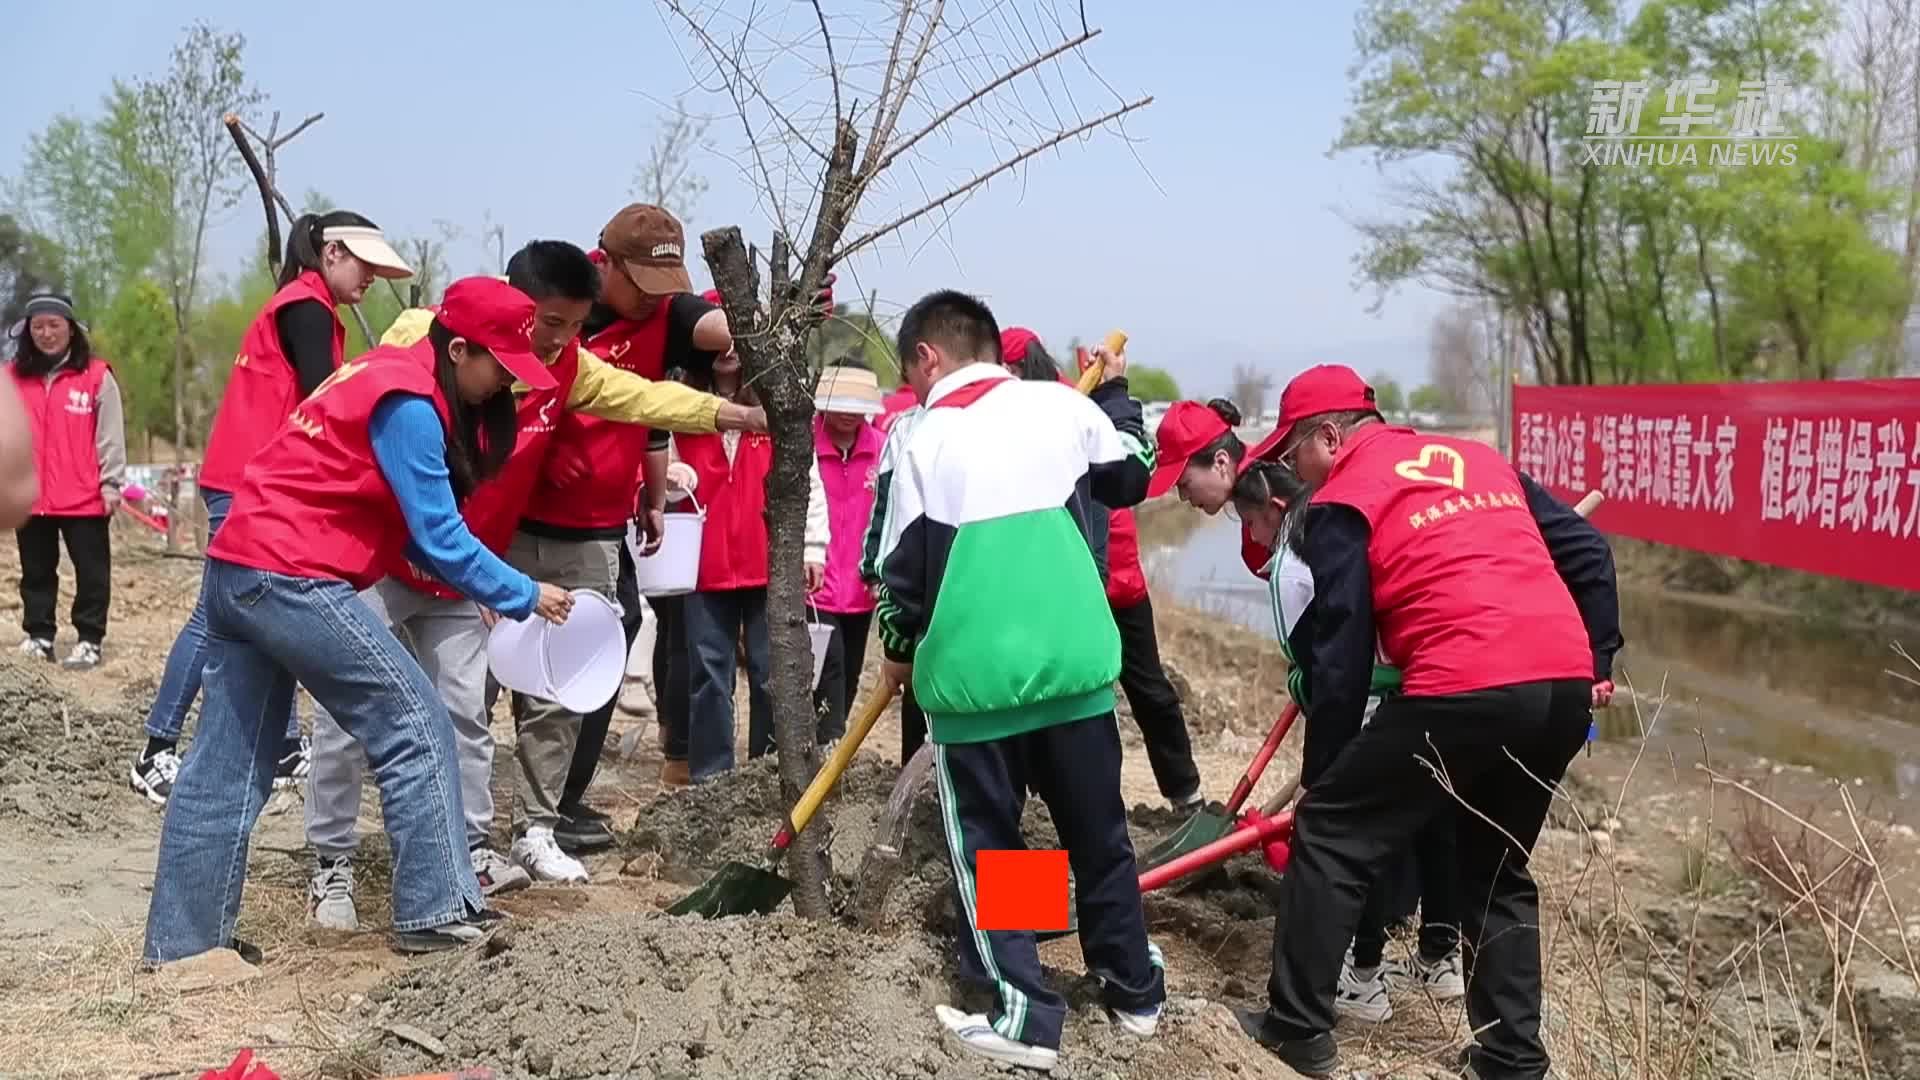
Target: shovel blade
column 1197, row 832
column 737, row 889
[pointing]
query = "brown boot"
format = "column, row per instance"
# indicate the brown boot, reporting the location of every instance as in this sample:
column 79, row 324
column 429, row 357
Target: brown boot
column 674, row 774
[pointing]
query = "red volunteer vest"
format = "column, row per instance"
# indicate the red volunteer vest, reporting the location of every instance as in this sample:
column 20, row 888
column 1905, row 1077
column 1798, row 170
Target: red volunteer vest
column 262, row 389
column 733, row 546
column 1126, row 579
column 62, row 414
column 313, row 503
column 604, row 499
column 1464, row 593
column 492, row 512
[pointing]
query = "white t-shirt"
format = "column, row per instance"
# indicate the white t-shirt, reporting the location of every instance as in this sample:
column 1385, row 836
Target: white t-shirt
column 1290, row 588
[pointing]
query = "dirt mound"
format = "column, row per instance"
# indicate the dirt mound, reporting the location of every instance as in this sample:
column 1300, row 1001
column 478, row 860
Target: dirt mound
column 688, row 999
column 62, row 765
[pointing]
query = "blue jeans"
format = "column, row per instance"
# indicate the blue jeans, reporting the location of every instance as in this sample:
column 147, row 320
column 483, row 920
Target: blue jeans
column 714, row 621
column 264, row 632
column 180, row 680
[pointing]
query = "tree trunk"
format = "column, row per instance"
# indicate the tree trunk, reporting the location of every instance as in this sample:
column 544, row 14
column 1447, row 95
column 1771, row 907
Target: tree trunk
column 774, row 360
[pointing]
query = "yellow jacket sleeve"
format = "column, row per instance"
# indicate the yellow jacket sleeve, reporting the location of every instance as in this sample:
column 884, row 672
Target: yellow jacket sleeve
column 610, row 393
column 409, row 327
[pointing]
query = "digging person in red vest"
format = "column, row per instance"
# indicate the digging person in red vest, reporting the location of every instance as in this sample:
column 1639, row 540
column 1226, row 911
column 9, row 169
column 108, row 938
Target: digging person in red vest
column 1199, row 457
column 445, row 632
column 574, row 525
column 293, row 344
column 375, row 461
column 1469, row 574
column 80, row 455
column 1115, row 541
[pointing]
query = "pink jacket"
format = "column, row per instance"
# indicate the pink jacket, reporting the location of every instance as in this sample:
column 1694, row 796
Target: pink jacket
column 848, row 482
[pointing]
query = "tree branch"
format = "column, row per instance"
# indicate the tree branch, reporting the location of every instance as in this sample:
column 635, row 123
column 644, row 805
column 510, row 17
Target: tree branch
column 976, row 95
column 883, row 133
column 265, row 185
column 833, row 65
column 713, row 50
column 978, row 181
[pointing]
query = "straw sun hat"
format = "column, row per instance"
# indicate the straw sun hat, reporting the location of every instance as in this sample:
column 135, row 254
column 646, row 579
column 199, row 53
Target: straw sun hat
column 848, row 390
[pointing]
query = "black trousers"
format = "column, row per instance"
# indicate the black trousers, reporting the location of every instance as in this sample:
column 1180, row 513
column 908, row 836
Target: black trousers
column 1156, row 708
column 1075, row 769
column 1377, row 795
column 913, row 726
column 670, row 672
column 91, row 552
column 840, row 675
column 593, row 726
column 1436, row 885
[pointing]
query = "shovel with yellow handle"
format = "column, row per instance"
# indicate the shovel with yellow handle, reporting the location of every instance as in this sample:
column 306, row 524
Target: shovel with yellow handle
column 1094, row 371
column 756, row 889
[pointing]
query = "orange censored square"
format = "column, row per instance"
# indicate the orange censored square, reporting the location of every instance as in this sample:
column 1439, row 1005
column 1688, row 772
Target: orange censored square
column 1020, row 890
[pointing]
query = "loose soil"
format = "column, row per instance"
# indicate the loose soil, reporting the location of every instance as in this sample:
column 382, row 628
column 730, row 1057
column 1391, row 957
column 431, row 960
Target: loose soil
column 596, row 981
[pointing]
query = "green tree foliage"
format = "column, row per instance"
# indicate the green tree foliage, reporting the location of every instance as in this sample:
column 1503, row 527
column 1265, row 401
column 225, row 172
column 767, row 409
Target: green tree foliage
column 136, row 333
column 28, row 261
column 857, row 335
column 1150, row 383
column 1388, row 395
column 1668, row 270
column 1428, row 398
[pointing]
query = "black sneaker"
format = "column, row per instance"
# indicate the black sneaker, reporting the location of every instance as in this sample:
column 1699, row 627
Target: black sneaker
column 454, row 935
column 153, row 777
column 583, row 828
column 1316, row 1056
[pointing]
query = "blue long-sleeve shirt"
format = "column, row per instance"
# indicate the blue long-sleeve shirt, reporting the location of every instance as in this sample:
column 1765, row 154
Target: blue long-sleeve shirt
column 411, row 448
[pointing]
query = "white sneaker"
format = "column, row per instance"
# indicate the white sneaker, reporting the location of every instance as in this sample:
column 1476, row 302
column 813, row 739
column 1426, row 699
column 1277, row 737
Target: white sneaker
column 38, row 648
column 330, row 896
column 496, row 872
column 541, row 856
column 1363, row 1000
column 1142, row 1024
column 84, row 656
column 975, row 1035
column 1442, row 979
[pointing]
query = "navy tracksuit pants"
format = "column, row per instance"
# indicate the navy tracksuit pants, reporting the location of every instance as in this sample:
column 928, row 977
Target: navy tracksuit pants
column 1075, row 769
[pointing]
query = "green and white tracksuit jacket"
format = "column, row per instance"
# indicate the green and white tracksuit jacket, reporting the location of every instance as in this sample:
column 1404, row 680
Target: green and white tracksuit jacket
column 992, row 591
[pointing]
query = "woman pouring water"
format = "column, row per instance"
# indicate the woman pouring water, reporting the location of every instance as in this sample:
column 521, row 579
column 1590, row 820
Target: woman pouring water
column 374, row 462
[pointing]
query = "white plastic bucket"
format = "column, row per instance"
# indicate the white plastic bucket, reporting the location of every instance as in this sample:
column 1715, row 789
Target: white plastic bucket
column 819, row 635
column 675, row 568
column 577, row 664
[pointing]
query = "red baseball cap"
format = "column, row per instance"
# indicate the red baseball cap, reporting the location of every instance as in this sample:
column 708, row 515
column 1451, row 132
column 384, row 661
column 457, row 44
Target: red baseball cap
column 499, row 318
column 1321, row 389
column 1014, row 341
column 1187, row 428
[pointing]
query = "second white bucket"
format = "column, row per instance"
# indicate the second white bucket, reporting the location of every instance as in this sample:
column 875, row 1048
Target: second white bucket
column 819, row 636
column 577, row 664
column 674, row 570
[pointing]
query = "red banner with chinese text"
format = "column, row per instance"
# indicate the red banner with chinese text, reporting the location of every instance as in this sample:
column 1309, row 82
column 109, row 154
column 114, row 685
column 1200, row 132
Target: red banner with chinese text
column 1816, row 476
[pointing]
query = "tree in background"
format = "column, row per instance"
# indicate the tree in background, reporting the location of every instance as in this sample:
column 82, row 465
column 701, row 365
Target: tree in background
column 1387, row 394
column 1252, row 388
column 667, row 177
column 1630, row 273
column 1150, row 383
column 194, row 172
column 28, row 262
column 1461, row 371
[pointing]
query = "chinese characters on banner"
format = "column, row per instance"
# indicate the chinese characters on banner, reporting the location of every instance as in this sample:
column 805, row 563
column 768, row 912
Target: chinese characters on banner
column 1816, row 476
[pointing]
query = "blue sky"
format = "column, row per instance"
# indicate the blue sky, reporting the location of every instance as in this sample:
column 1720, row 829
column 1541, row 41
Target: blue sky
column 1228, row 247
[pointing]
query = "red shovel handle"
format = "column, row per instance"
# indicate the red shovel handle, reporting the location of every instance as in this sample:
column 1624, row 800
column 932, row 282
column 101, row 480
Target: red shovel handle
column 1252, row 776
column 1235, row 842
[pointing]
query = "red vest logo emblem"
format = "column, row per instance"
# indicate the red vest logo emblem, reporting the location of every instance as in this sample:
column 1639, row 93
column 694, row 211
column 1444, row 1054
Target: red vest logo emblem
column 1436, row 464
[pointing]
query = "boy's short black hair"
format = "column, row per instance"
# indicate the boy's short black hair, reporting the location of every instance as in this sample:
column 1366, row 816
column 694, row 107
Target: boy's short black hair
column 958, row 323
column 554, row 269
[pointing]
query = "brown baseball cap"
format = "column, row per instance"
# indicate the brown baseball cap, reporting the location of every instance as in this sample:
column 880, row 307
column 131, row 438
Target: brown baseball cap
column 651, row 246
